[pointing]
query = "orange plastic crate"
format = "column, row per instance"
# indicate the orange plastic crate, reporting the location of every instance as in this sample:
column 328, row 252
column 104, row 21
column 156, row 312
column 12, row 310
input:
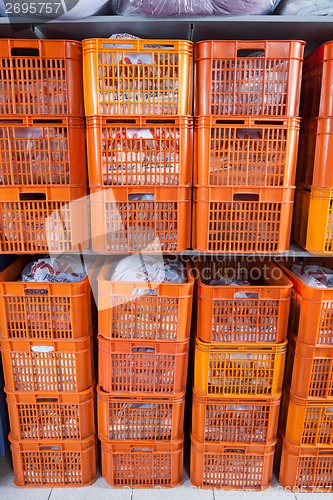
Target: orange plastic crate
column 304, row 468
column 218, row 466
column 123, row 224
column 225, row 314
column 309, row 371
column 137, row 77
column 37, row 152
column 135, row 367
column 45, row 311
column 39, row 220
column 144, row 311
column 40, row 77
column 242, row 220
column 65, row 464
column 141, row 465
column 238, row 369
column 247, row 151
column 40, row 417
column 143, row 151
column 235, row 420
column 316, row 98
column 311, row 309
column 246, row 77
column 46, row 366
column 306, row 423
column 140, row 418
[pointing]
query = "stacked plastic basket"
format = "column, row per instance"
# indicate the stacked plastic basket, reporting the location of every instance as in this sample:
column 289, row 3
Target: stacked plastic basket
column 313, row 221
column 138, row 98
column 305, row 446
column 45, row 328
column 246, row 139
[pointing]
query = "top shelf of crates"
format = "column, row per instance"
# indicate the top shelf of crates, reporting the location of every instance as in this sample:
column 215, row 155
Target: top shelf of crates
column 315, row 30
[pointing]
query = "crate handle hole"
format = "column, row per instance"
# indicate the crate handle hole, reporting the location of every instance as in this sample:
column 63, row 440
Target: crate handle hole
column 144, row 291
column 251, row 295
column 116, row 45
column 47, row 400
column 250, row 53
column 142, row 449
column 143, row 349
column 25, row 52
column 141, row 406
column 246, row 197
column 50, row 448
column 42, row 348
column 32, row 196
column 234, row 450
column 159, row 46
column 141, row 197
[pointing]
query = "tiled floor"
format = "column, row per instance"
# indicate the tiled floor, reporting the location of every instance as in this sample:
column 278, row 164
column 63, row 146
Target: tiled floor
column 101, row 491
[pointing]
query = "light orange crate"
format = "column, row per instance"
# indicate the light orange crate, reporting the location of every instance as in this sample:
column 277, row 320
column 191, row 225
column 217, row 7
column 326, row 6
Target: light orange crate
column 46, row 311
column 123, row 223
column 311, row 309
column 40, row 417
column 304, row 468
column 226, row 314
column 248, row 77
column 247, row 151
column 144, row 311
column 238, row 369
column 41, row 77
column 141, row 465
column 309, row 371
column 140, row 418
column 218, row 466
column 39, row 220
column 242, row 220
column 65, row 464
column 46, row 366
column 37, row 152
column 137, row 77
column 306, row 423
column 136, row 367
column 234, row 420
column 142, row 151
column 317, row 76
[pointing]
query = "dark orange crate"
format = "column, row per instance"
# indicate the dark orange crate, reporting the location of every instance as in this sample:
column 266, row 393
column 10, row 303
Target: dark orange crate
column 140, row 418
column 41, row 77
column 136, row 367
column 248, row 77
column 37, row 152
column 219, row 466
column 138, row 465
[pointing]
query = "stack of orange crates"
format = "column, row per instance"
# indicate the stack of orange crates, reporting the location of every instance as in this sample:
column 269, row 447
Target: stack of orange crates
column 138, row 102
column 313, row 221
column 246, row 139
column 43, row 179
column 239, row 360
column 305, row 449
column 144, row 331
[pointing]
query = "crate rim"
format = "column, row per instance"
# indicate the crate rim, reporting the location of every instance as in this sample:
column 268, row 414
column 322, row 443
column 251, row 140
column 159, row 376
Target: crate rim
column 131, row 396
column 241, row 347
column 248, row 399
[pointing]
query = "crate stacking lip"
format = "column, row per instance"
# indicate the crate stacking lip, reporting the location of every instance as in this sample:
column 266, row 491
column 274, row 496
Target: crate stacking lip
column 248, row 77
column 305, row 422
column 238, row 369
column 143, row 151
column 140, row 219
column 311, row 309
column 140, row 418
column 254, row 313
column 304, row 468
column 46, row 366
column 141, row 465
column 40, row 152
column 144, row 311
column 317, row 76
column 137, row 77
column 234, row 420
column 46, row 311
column 57, row 417
column 65, row 464
column 41, row 77
column 219, row 466
column 313, row 219
column 242, row 220
column 309, row 371
column 42, row 219
column 136, row 367
column 245, row 151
